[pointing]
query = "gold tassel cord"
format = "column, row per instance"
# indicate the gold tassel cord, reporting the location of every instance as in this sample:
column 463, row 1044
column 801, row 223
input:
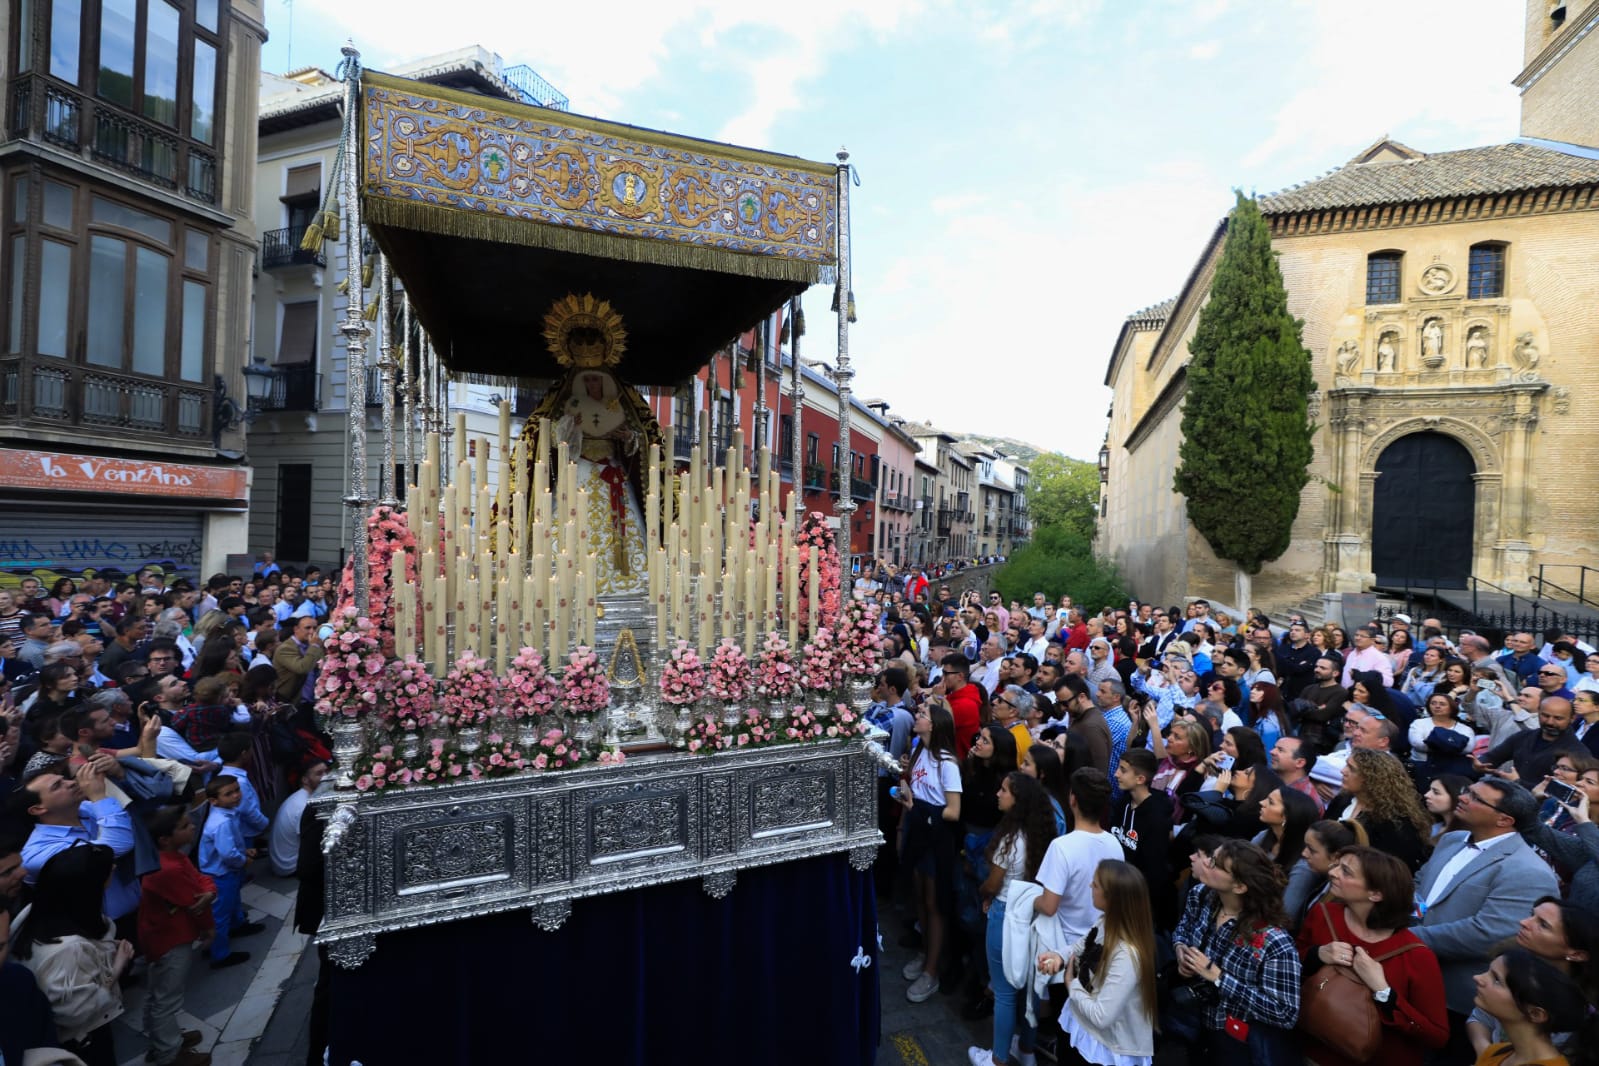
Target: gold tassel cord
column 330, row 225
column 312, row 241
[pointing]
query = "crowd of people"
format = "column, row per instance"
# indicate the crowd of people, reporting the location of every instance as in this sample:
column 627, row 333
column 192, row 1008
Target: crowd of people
column 1124, row 827
column 157, row 745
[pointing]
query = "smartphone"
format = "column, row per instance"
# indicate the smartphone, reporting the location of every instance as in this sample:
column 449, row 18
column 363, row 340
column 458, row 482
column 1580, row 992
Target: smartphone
column 1562, row 792
column 1223, row 761
column 1486, row 684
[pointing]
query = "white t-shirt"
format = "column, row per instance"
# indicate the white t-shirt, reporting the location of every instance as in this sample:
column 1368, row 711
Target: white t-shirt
column 283, row 846
column 930, row 779
column 1011, row 856
column 1068, row 871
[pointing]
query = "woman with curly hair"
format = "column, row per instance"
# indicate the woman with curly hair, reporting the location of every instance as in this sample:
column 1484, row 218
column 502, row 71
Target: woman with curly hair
column 1026, row 827
column 1380, row 795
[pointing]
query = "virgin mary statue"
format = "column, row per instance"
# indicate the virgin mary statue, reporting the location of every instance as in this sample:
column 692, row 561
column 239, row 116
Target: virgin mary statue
column 608, row 430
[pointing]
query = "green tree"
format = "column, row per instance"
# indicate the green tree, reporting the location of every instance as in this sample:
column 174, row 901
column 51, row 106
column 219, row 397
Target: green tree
column 1247, row 440
column 1058, row 561
column 1063, row 492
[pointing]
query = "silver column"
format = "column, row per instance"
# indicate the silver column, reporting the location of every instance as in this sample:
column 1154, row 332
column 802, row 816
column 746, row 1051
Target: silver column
column 386, row 365
column 846, row 501
column 355, row 329
column 408, row 393
column 796, row 329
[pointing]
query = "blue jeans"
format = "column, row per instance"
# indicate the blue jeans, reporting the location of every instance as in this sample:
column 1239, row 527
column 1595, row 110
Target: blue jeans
column 1008, row 1018
column 227, row 910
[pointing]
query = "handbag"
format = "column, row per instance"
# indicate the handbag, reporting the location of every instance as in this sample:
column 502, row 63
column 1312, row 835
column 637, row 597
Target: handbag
column 1336, row 1008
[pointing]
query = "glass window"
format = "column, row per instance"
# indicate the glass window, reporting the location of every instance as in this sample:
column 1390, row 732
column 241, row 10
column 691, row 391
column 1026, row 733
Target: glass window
column 149, row 311
column 196, row 249
column 108, row 259
column 118, row 27
column 191, row 363
column 202, row 116
column 1486, row 279
column 1382, row 278
column 19, row 263
column 161, row 63
column 112, row 213
column 19, row 199
column 205, row 13
column 57, row 205
column 24, row 39
column 65, row 32
column 55, row 297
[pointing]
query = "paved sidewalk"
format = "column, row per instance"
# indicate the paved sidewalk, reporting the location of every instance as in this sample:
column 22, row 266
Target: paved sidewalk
column 231, row 1007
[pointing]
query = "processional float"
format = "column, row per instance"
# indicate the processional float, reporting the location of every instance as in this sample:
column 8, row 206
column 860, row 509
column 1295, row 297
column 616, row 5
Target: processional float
column 597, row 672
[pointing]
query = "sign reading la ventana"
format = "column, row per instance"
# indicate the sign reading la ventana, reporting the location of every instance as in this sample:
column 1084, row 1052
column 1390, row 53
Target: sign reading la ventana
column 64, row 471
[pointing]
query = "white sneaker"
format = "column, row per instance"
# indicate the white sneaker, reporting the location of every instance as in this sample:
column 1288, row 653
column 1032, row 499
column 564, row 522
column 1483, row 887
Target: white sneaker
column 914, row 968
column 1024, row 1058
column 979, row 1056
column 922, row 989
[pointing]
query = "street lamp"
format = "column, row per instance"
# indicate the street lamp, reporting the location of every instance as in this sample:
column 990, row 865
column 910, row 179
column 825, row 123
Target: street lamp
column 258, row 378
column 258, row 381
column 1104, row 463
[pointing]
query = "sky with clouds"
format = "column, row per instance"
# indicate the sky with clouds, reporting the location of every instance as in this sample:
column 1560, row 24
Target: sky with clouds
column 1031, row 171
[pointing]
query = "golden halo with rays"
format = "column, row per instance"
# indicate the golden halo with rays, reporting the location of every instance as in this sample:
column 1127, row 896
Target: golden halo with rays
column 584, row 331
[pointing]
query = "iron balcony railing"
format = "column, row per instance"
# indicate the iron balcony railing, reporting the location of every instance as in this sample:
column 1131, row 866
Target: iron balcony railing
column 281, row 248
column 682, row 443
column 294, row 388
column 51, row 111
column 815, row 476
column 49, row 392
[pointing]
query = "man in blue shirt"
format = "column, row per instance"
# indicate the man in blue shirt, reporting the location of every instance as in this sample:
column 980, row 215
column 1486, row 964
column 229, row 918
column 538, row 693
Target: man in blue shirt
column 73, row 810
column 1521, row 660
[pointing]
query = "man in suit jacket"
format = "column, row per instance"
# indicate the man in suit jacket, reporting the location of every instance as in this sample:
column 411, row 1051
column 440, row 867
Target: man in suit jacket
column 1478, row 885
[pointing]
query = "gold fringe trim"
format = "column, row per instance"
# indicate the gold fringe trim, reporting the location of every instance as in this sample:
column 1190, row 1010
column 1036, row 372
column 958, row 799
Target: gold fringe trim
column 371, row 312
column 330, row 225
column 312, row 241
column 475, row 225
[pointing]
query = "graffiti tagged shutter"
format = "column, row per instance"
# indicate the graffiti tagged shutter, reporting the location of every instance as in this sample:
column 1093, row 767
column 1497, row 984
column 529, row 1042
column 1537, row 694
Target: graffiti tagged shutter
column 68, row 543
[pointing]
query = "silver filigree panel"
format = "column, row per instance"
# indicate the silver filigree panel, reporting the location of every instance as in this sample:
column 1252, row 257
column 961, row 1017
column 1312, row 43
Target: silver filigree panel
column 792, row 799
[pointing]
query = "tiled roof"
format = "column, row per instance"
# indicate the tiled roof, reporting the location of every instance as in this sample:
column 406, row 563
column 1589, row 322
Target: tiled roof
column 1154, row 316
column 1497, row 168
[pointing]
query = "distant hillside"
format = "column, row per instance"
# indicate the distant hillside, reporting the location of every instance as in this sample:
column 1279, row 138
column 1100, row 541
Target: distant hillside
column 1024, row 452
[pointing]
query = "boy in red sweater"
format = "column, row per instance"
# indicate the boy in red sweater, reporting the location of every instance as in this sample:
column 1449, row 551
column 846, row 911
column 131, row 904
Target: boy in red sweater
column 174, row 919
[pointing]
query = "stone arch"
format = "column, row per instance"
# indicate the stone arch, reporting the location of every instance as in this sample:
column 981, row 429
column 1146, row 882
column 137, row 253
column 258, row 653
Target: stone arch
column 1484, row 452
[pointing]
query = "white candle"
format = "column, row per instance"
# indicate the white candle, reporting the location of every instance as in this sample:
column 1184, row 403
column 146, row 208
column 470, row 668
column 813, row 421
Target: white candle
column 814, row 606
column 440, row 652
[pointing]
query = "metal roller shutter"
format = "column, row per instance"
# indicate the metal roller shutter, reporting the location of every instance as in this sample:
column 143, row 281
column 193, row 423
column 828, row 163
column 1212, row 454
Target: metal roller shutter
column 65, row 543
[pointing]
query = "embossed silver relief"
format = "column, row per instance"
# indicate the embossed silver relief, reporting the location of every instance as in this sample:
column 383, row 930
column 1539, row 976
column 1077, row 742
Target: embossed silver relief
column 633, row 828
column 445, row 854
column 790, row 801
column 719, row 884
column 551, row 914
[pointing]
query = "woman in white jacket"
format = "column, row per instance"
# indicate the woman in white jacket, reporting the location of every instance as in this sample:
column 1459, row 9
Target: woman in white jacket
column 73, row 950
column 1110, row 974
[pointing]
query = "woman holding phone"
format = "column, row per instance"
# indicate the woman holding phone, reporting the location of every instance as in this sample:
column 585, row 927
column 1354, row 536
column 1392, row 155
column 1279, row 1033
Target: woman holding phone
column 1575, row 853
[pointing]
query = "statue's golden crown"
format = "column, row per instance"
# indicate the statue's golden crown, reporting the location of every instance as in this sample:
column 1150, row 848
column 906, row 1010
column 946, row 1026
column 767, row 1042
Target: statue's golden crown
column 584, row 332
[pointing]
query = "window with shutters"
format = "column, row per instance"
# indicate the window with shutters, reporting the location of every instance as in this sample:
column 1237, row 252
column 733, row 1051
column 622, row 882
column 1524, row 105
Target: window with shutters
column 297, row 336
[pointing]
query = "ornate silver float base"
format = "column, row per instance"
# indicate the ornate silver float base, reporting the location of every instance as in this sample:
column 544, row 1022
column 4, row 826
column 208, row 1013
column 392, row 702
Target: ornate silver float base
column 537, row 842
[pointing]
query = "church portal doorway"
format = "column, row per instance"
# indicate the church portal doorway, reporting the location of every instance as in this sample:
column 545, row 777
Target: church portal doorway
column 1423, row 506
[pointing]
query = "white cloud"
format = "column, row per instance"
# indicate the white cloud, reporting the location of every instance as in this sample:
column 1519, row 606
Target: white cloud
column 1204, row 50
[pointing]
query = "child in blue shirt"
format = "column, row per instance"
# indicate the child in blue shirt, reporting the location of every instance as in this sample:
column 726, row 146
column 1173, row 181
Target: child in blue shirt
column 236, row 750
column 223, row 856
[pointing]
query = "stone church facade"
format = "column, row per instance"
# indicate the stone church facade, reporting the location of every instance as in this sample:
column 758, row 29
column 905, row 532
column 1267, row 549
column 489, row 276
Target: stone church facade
column 1451, row 307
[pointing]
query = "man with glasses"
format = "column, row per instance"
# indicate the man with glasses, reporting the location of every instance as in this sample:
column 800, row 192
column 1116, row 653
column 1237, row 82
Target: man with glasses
column 163, row 658
column 1528, row 756
column 1010, row 709
column 1474, row 891
column 1552, row 680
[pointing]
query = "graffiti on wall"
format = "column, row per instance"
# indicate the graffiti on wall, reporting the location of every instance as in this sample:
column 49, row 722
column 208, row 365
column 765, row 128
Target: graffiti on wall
column 49, row 558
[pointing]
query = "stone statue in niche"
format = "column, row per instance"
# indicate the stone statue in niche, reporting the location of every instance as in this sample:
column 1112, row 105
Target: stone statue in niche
column 1387, row 353
column 1526, row 352
column 1432, row 343
column 1348, row 357
column 1477, row 346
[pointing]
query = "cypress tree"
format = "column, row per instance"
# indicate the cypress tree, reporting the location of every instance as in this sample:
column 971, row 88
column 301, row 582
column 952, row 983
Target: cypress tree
column 1247, row 440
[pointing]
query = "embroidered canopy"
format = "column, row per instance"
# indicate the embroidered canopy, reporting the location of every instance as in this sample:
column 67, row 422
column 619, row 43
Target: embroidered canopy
column 490, row 211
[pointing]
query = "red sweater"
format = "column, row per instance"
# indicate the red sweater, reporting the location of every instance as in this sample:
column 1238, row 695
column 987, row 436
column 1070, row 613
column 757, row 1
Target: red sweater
column 165, row 921
column 1419, row 1019
column 967, row 708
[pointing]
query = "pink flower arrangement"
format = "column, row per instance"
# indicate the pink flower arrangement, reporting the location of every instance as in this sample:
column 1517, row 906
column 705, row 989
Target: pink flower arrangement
column 471, row 692
column 706, row 735
column 498, row 757
column 802, row 725
column 555, row 751
column 683, row 676
column 775, row 676
column 847, row 722
column 860, row 643
column 815, row 532
column 584, row 689
column 611, row 757
column 730, row 672
column 353, row 678
column 412, row 702
column 528, row 689
column 753, row 728
column 386, row 534
column 823, row 662
column 381, row 769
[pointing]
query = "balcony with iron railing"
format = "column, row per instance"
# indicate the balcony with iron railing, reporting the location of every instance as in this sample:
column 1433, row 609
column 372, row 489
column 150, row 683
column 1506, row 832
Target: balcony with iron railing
column 682, row 443
column 281, row 248
column 54, row 112
column 294, row 388
column 50, row 392
column 815, row 477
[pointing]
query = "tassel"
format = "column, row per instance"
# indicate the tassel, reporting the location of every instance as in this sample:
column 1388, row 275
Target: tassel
column 344, row 287
column 312, row 241
column 371, row 313
column 799, row 321
column 330, row 225
column 366, row 273
column 851, row 303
